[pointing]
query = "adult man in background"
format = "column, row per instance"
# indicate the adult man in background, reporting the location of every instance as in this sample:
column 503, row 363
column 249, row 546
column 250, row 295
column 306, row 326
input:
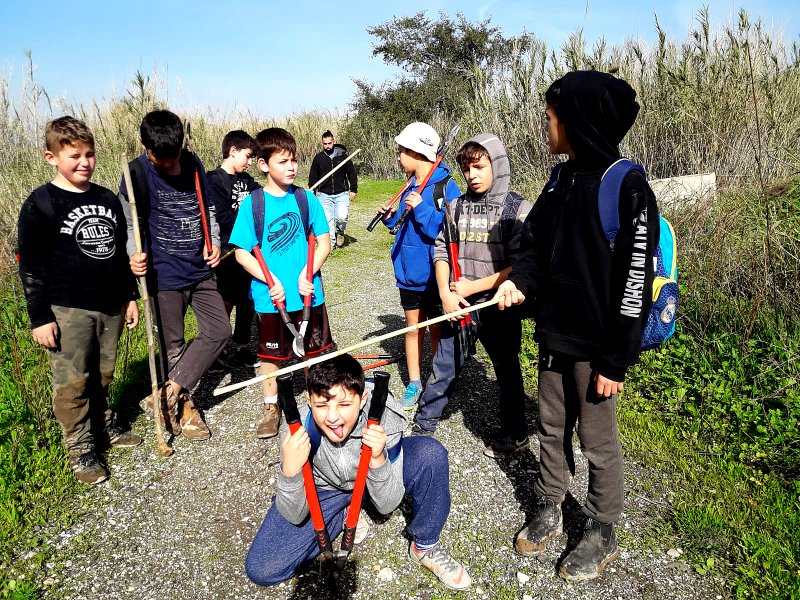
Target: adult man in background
column 336, row 192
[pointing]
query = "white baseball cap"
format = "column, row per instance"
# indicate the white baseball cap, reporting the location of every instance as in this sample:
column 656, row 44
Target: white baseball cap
column 420, row 137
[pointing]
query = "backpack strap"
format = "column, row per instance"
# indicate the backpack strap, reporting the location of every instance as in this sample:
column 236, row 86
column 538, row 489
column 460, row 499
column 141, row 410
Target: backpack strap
column 439, row 191
column 257, row 196
column 314, row 436
column 302, row 205
column 608, row 195
column 551, row 183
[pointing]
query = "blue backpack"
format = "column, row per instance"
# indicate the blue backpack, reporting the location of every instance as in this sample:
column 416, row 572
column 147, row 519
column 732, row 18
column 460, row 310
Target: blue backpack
column 661, row 321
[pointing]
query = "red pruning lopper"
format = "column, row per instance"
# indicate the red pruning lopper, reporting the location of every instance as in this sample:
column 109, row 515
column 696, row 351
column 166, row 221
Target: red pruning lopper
column 292, row 414
column 281, row 306
column 299, row 345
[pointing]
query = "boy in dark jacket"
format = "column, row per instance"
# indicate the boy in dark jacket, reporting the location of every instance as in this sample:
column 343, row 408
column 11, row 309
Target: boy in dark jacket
column 487, row 229
column 587, row 332
column 418, row 466
column 79, row 290
column 412, row 251
column 178, row 264
column 228, row 185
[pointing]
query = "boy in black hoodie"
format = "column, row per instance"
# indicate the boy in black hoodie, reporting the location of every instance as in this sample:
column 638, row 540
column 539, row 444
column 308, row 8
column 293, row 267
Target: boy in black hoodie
column 587, row 337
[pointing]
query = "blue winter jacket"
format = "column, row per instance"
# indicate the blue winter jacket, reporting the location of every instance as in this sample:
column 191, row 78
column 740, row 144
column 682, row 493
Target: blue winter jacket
column 412, row 252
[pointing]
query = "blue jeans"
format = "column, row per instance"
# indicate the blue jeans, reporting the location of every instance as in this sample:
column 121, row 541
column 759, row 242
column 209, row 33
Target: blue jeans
column 501, row 336
column 337, row 209
column 280, row 547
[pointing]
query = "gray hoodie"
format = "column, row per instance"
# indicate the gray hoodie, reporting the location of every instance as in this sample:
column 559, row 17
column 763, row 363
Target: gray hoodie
column 489, row 225
column 334, row 465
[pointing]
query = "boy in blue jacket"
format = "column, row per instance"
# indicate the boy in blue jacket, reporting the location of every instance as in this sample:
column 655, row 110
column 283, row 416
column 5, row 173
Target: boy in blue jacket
column 412, row 251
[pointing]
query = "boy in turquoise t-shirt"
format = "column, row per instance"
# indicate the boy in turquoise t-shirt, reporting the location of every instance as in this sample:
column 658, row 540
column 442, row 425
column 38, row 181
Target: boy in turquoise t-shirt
column 285, row 251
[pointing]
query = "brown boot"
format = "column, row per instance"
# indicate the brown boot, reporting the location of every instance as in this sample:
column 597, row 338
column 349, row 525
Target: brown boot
column 192, row 424
column 169, row 408
column 270, row 420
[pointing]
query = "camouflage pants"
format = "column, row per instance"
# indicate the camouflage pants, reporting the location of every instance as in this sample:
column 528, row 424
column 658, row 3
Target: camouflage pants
column 83, row 367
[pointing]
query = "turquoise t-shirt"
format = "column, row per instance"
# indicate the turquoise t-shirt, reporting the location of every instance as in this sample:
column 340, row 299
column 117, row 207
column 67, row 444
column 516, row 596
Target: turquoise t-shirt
column 284, row 246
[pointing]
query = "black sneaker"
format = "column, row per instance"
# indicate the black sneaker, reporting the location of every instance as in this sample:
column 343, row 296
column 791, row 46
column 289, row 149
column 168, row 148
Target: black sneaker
column 506, row 448
column 545, row 526
column 87, row 468
column 246, row 358
column 416, row 429
column 597, row 548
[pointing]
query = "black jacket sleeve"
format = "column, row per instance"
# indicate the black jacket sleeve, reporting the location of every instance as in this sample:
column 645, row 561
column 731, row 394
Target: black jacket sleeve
column 631, row 278
column 526, row 266
column 352, row 178
column 33, row 230
column 315, row 173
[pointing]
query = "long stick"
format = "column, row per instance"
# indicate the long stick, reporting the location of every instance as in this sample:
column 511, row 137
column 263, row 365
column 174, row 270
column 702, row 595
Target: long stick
column 375, row 340
column 339, row 166
column 163, row 448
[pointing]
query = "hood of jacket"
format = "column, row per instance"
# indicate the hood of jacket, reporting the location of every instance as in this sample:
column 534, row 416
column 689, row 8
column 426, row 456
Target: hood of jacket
column 597, row 110
column 501, row 170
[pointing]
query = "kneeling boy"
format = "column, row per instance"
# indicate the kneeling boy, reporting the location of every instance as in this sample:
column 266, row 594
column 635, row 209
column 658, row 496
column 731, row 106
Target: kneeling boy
column 339, row 404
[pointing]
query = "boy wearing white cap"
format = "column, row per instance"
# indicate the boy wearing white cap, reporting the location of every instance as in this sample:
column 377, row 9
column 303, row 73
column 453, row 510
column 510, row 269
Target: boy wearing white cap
column 412, row 251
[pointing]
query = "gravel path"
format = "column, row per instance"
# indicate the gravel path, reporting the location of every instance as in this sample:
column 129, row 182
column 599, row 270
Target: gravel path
column 181, row 527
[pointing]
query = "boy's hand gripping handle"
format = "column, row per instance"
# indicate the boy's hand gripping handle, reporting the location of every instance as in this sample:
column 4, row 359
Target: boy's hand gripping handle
column 376, row 407
column 288, row 406
column 281, row 306
column 378, row 216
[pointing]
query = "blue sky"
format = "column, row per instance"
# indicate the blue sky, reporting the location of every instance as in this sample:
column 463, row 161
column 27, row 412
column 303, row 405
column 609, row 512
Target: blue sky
column 275, row 58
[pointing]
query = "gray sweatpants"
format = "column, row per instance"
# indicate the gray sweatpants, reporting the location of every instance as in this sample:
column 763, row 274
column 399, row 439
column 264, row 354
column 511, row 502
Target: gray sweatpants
column 566, row 396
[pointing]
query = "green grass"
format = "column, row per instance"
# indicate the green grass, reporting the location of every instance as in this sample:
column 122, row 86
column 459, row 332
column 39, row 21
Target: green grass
column 36, row 485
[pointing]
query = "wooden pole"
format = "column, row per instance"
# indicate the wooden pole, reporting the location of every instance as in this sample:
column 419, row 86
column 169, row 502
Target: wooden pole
column 375, row 340
column 339, row 166
column 163, row 448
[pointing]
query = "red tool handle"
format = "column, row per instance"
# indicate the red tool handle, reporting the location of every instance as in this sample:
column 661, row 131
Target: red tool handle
column 378, row 216
column 292, row 415
column 420, row 187
column 377, row 405
column 267, row 275
column 452, row 250
column 202, row 204
column 312, row 239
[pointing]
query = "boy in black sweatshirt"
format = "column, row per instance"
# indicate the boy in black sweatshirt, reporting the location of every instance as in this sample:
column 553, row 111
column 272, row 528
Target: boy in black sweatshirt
column 79, row 290
column 228, row 185
column 588, row 334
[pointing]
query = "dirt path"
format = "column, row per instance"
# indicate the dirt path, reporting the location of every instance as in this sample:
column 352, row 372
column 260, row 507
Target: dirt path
column 181, row 527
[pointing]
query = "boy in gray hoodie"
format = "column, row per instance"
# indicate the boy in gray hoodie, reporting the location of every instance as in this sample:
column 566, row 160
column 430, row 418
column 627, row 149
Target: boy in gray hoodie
column 488, row 221
column 331, row 437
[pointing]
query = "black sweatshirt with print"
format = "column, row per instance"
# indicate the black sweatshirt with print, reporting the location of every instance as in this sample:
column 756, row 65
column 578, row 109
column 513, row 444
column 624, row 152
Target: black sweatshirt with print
column 72, row 252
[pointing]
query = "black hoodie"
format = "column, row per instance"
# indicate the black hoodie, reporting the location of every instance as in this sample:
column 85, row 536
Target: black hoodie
column 566, row 265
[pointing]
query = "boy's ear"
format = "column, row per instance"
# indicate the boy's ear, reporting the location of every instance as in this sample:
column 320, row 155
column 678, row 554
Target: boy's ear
column 364, row 398
column 263, row 166
column 50, row 158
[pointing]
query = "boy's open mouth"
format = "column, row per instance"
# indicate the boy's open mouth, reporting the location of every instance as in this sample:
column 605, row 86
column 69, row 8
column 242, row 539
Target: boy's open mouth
column 338, row 431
